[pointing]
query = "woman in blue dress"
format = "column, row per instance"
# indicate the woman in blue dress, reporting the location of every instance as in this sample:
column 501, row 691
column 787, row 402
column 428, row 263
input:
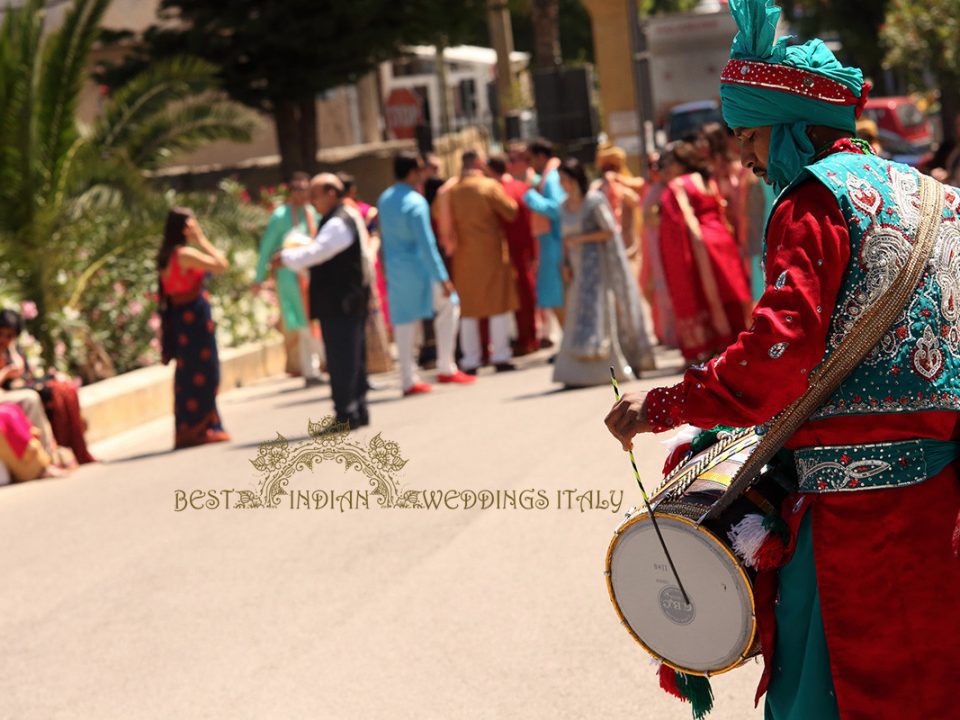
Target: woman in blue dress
column 185, row 260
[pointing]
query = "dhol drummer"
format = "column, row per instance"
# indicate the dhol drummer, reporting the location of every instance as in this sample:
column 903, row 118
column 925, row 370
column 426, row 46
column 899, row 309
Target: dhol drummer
column 860, row 619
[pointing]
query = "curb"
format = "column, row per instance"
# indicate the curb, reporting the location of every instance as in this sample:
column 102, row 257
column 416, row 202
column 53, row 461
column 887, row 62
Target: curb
column 122, row 403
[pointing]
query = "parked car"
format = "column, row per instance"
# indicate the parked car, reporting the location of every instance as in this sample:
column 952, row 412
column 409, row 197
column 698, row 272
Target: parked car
column 900, row 150
column 688, row 118
column 900, row 117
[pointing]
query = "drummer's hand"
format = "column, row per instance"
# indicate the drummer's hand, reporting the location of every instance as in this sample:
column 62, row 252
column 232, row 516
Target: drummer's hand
column 628, row 418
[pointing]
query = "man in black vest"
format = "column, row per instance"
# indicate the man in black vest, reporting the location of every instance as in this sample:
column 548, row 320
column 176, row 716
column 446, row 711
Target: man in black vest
column 339, row 296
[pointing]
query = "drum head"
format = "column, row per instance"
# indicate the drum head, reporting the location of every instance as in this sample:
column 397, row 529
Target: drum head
column 714, row 632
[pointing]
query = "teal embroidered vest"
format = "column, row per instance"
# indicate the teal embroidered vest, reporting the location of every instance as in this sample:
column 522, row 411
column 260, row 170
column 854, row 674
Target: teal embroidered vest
column 916, row 366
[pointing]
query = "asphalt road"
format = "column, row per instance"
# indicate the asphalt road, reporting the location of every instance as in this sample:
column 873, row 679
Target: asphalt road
column 118, row 603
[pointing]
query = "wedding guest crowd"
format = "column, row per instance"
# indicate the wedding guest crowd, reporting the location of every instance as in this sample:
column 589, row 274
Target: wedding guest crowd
column 473, row 270
column 450, row 274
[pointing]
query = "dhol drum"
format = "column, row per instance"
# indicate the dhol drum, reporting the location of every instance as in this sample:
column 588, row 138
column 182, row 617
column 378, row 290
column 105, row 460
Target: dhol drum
column 716, row 631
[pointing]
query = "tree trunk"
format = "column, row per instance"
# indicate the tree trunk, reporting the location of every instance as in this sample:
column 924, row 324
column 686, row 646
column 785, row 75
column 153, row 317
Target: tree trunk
column 949, row 105
column 545, row 17
column 296, row 123
column 42, row 330
column 308, row 134
column 288, row 137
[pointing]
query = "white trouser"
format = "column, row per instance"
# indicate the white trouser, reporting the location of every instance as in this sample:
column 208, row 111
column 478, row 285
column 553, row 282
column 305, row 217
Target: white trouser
column 499, row 339
column 311, row 353
column 445, row 329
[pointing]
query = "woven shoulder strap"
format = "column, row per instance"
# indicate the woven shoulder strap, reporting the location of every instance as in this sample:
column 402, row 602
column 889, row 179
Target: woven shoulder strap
column 861, row 339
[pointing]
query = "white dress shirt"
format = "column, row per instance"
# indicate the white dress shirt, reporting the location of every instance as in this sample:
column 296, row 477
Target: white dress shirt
column 334, row 237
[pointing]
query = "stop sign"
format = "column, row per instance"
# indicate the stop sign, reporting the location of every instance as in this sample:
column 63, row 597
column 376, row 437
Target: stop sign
column 403, row 113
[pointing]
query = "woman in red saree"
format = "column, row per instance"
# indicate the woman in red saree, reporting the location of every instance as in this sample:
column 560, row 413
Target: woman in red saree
column 701, row 261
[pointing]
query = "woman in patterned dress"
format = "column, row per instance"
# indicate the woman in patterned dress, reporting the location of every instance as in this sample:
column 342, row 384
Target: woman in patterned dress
column 185, row 260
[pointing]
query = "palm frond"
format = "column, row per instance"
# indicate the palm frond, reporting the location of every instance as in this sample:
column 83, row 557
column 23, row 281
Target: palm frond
column 65, row 57
column 95, row 169
column 187, row 126
column 149, row 94
column 20, row 37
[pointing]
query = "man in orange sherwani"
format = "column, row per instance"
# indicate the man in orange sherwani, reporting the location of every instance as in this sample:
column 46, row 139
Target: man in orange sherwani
column 482, row 271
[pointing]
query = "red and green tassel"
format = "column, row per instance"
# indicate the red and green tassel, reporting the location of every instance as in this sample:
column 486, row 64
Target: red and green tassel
column 774, row 548
column 668, row 681
column 760, row 540
column 691, row 688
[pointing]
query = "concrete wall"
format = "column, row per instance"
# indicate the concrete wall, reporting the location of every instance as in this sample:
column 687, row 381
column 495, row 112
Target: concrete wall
column 121, row 403
column 371, row 165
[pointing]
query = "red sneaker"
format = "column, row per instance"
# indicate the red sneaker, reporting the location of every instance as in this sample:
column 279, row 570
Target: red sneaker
column 459, row 377
column 418, row 389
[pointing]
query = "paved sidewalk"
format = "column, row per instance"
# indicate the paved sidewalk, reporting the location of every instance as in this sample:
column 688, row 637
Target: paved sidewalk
column 118, row 606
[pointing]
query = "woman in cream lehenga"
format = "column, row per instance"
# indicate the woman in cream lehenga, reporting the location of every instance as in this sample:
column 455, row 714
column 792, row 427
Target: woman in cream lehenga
column 604, row 324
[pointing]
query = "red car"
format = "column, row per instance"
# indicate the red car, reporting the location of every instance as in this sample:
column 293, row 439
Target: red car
column 901, row 117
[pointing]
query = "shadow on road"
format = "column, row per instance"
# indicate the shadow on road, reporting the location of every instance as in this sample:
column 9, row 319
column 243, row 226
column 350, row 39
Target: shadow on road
column 327, row 398
column 266, row 395
column 258, row 443
column 547, row 393
column 141, row 456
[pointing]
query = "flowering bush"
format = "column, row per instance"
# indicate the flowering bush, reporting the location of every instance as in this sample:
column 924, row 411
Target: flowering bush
column 110, row 324
column 273, row 196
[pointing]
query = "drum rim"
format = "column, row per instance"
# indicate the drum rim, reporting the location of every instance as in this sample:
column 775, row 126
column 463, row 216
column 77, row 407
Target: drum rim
column 744, row 654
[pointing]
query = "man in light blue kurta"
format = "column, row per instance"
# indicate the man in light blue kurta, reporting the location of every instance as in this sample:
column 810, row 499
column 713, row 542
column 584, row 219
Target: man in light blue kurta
column 417, row 282
column 295, row 214
column 545, row 198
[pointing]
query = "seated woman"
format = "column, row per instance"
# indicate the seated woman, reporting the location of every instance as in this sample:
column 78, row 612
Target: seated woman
column 185, row 259
column 31, row 403
column 22, row 457
column 59, row 394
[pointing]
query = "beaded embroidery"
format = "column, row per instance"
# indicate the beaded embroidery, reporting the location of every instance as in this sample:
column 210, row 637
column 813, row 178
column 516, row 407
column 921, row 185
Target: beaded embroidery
column 773, row 76
column 860, row 467
column 777, row 350
column 916, row 365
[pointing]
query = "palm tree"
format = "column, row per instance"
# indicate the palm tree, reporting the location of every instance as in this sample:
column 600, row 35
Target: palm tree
column 53, row 172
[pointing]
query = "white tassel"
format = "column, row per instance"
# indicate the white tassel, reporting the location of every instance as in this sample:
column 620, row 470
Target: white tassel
column 686, row 434
column 747, row 536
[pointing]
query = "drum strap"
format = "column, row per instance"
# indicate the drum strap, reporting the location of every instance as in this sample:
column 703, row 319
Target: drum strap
column 858, row 343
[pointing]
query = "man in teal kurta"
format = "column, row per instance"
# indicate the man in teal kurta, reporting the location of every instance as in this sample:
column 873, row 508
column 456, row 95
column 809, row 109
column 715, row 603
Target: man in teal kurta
column 296, row 213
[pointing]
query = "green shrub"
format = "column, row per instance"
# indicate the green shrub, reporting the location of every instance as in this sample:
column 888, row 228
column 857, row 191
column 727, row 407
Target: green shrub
column 110, row 324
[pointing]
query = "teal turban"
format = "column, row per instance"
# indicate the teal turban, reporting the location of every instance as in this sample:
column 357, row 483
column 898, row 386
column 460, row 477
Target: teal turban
column 794, row 87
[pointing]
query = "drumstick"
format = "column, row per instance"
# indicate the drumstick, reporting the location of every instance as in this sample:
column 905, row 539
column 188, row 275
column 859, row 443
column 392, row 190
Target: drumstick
column 646, row 501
